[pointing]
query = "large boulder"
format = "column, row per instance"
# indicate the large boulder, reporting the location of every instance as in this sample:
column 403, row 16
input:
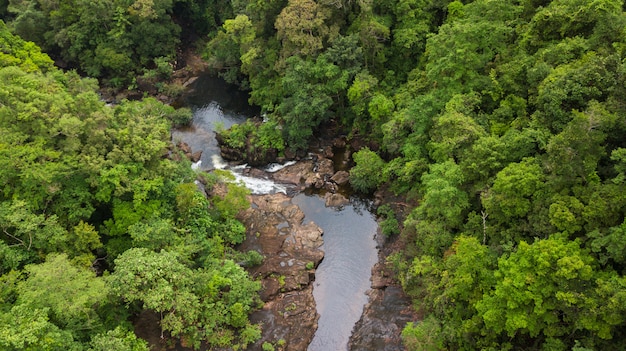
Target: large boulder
column 295, row 173
column 335, row 200
column 341, row 177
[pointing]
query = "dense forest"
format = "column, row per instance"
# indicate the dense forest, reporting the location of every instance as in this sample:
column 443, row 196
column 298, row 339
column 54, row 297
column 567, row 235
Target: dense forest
column 98, row 223
column 502, row 121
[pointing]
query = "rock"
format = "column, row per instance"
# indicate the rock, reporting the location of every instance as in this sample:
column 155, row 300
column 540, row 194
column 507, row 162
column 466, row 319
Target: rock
column 189, row 81
column 195, row 157
column 311, row 180
column 325, row 166
column 330, row 186
column 184, row 147
column 309, row 236
column 339, row 142
column 335, row 200
column 295, row 173
column 147, row 85
column 384, row 317
column 328, row 152
column 275, row 229
column 290, row 154
column 256, row 173
column 319, row 183
column 341, row 177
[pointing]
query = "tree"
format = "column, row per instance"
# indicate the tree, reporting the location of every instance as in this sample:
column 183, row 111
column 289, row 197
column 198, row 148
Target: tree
column 450, row 288
column 198, row 305
column 546, row 290
column 443, row 198
column 367, row 174
column 27, row 329
column 572, row 86
column 118, row 339
column 308, row 87
column 512, row 196
column 21, row 53
column 454, row 131
column 459, row 52
column 302, row 29
column 50, row 283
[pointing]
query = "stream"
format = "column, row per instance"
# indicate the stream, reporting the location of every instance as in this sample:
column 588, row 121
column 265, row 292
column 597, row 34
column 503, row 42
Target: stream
column 343, row 277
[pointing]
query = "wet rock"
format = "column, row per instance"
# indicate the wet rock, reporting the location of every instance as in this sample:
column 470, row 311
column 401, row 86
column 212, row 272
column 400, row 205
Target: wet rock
column 339, row 142
column 380, row 277
column 195, row 157
column 314, row 173
column 330, row 186
column 328, row 152
column 295, row 173
column 319, row 182
column 184, row 147
column 256, row 173
column 325, row 166
column 335, row 200
column 189, row 81
column 341, row 177
column 388, row 309
column 188, row 152
column 275, row 229
column 384, row 317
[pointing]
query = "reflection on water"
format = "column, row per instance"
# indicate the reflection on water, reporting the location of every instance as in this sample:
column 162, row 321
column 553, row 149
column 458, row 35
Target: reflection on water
column 343, row 277
column 214, row 104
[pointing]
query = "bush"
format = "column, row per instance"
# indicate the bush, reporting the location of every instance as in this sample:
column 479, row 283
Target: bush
column 180, row 117
column 389, row 225
column 263, row 137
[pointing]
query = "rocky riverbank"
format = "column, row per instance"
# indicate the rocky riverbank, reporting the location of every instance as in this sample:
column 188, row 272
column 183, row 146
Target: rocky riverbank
column 289, row 312
column 292, row 251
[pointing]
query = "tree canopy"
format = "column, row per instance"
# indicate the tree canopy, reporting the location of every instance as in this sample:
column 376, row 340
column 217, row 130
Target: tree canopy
column 501, row 120
column 92, row 207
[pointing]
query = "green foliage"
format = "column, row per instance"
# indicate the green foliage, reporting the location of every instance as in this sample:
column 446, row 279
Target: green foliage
column 112, row 39
column 423, row 335
column 503, row 119
column 49, row 284
column 118, row 339
column 16, row 52
column 26, row 329
column 308, row 88
column 253, row 137
column 84, row 182
column 554, row 281
column 443, row 200
column 367, row 174
column 194, row 304
column 389, row 225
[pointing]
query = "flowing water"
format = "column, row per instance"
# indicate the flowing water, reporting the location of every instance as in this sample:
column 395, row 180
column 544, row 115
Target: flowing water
column 343, row 277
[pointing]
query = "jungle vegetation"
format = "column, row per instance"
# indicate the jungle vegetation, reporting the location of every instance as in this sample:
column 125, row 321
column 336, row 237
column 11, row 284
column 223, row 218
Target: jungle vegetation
column 503, row 120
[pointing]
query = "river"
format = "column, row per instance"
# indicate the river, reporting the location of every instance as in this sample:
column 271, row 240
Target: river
column 343, row 277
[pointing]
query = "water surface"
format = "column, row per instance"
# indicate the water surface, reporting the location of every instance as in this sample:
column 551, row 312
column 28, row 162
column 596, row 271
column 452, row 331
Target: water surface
column 214, row 104
column 343, row 277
